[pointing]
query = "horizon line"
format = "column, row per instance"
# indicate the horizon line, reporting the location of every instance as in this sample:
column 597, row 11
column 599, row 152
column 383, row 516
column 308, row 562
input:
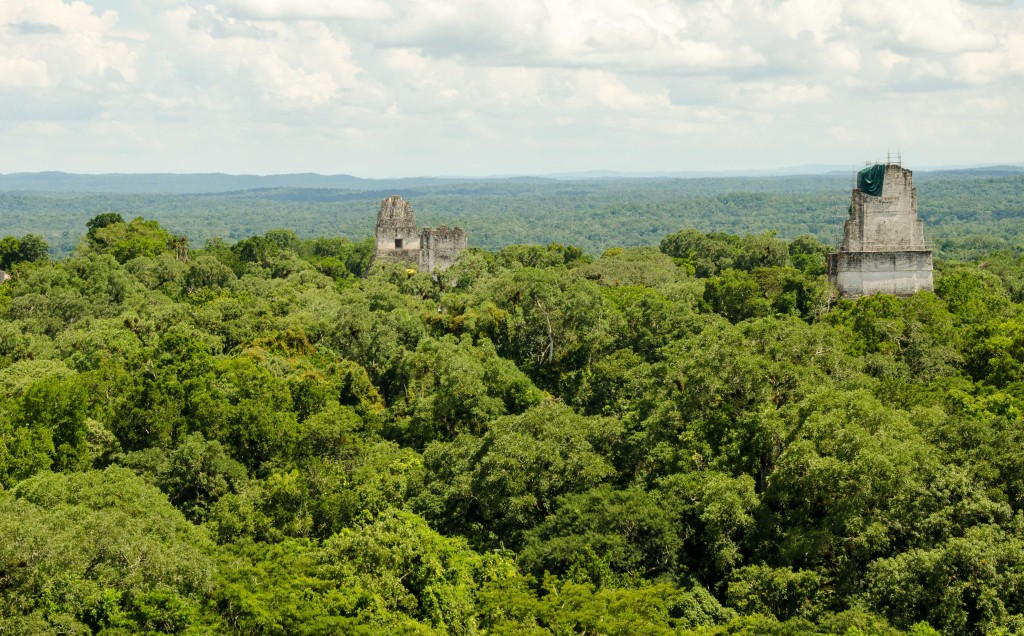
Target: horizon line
column 801, row 170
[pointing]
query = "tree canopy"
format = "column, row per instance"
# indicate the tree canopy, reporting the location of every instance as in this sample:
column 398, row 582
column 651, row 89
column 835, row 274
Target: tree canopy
column 254, row 437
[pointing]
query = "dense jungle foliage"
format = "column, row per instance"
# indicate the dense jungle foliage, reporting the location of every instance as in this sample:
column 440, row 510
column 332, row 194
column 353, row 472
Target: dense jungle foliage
column 968, row 213
column 699, row 439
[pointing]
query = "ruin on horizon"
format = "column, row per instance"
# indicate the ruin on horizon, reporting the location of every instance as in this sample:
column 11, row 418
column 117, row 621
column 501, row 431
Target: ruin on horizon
column 399, row 240
column 883, row 248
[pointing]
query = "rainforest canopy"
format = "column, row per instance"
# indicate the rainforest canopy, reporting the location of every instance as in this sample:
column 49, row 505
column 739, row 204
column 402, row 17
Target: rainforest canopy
column 869, row 180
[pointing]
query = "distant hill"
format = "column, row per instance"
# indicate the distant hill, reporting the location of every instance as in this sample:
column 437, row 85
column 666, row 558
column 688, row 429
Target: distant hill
column 202, row 183
column 810, row 169
column 220, row 183
column 974, row 173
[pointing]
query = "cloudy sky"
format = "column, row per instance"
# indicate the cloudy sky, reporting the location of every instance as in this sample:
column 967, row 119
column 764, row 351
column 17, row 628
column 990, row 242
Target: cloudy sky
column 381, row 88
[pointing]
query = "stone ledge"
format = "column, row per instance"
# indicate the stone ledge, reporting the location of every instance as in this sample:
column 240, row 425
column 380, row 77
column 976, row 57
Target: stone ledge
column 880, row 261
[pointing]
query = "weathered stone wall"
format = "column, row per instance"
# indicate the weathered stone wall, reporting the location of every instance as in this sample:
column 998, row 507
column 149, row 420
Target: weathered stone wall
column 440, row 247
column 883, row 249
column 398, row 239
column 886, row 222
column 865, row 273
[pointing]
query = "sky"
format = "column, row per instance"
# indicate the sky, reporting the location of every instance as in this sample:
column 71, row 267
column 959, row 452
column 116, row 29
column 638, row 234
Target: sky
column 392, row 88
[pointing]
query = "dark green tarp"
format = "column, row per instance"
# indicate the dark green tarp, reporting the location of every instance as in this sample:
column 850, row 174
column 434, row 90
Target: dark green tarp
column 869, row 180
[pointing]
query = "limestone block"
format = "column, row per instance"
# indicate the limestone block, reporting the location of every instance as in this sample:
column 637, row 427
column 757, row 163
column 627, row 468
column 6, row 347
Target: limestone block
column 883, row 247
column 398, row 239
column 440, row 247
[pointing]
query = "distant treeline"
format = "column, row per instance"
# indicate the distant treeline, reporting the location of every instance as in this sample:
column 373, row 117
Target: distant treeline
column 967, row 214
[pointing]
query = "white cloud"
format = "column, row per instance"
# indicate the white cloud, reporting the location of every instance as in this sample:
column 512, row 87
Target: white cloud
column 45, row 43
column 924, row 26
column 18, row 72
column 309, row 9
column 291, row 66
column 770, row 95
column 497, row 86
column 610, row 34
column 606, row 91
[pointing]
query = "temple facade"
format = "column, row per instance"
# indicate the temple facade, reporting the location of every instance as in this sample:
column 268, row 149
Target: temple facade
column 400, row 241
column 883, row 248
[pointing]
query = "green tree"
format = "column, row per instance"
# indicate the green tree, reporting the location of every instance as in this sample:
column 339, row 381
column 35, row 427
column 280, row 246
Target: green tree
column 505, row 482
column 410, row 568
column 808, row 254
column 454, row 386
column 207, row 272
column 716, row 514
column 596, row 535
column 29, row 248
column 552, row 326
column 56, row 409
column 707, row 254
column 101, row 221
column 967, row 585
column 33, row 248
column 973, row 295
column 850, row 489
column 100, row 550
column 780, row 592
column 198, row 473
column 125, row 241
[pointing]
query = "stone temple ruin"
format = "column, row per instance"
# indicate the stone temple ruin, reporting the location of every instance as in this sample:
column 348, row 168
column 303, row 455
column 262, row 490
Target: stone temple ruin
column 883, row 247
column 399, row 241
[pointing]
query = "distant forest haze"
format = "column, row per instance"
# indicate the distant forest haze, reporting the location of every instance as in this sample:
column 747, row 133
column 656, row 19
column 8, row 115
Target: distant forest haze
column 963, row 209
column 631, row 408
